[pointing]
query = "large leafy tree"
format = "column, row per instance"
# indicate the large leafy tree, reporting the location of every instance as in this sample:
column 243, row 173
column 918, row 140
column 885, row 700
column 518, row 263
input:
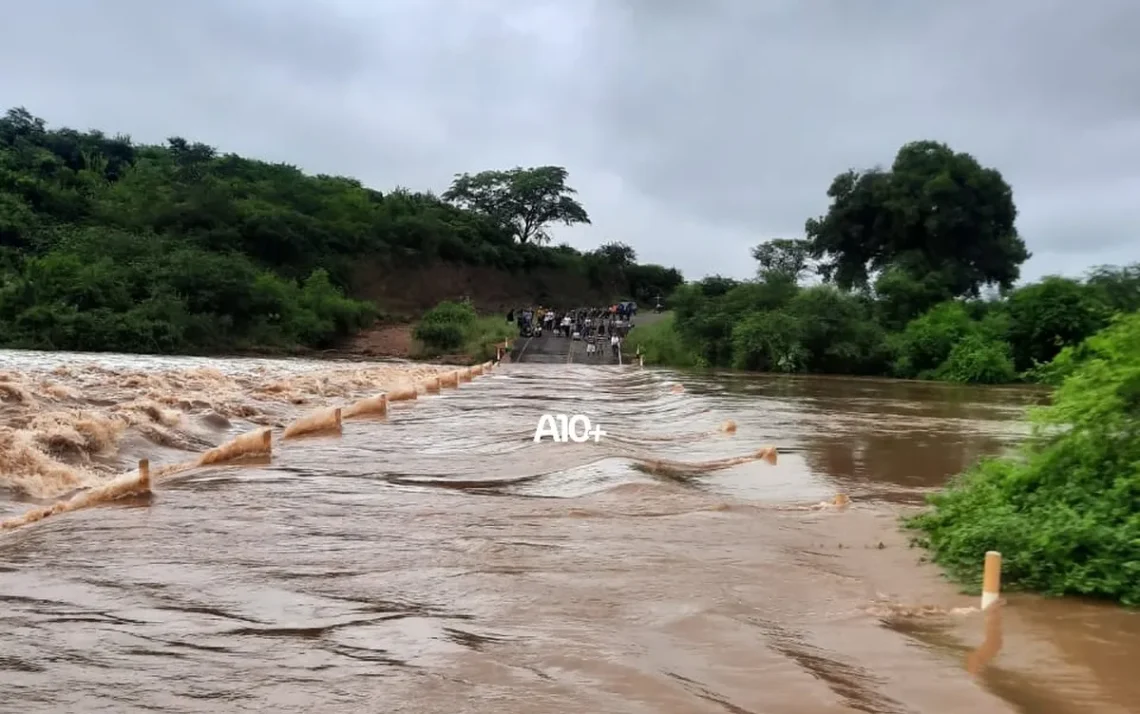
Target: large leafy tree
column 526, row 200
column 617, row 254
column 935, row 215
column 787, row 258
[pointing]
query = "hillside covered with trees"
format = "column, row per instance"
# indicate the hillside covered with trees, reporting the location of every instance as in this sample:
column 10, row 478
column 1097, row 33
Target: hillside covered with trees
column 915, row 272
column 110, row 245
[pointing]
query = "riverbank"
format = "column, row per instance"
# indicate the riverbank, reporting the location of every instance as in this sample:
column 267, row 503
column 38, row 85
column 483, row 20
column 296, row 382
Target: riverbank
column 398, row 341
column 1062, row 510
column 776, row 326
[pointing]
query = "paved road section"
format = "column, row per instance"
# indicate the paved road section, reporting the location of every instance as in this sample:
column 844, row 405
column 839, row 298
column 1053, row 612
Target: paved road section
column 552, row 349
column 547, row 349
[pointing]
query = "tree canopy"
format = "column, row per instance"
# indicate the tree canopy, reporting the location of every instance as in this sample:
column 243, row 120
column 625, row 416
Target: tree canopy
column 527, row 201
column 905, row 254
column 936, row 216
column 789, row 258
column 106, row 244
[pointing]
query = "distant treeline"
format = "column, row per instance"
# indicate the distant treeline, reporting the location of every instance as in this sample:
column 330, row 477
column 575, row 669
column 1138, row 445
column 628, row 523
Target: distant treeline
column 110, row 245
column 915, row 267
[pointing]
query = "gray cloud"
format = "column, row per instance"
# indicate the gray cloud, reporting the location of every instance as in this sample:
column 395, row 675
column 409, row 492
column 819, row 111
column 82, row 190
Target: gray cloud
column 693, row 130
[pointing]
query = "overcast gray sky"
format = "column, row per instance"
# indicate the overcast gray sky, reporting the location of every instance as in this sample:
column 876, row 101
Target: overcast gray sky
column 692, row 129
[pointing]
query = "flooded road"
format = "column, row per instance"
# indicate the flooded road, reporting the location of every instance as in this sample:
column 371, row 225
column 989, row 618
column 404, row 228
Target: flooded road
column 438, row 560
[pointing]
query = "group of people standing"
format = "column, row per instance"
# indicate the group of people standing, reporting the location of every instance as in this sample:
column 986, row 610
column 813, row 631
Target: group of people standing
column 592, row 325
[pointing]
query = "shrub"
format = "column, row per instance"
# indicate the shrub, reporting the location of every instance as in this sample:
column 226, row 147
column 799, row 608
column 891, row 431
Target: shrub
column 484, row 334
column 1064, row 510
column 927, row 340
column 769, row 341
column 661, row 344
column 976, row 360
column 458, row 313
column 453, row 326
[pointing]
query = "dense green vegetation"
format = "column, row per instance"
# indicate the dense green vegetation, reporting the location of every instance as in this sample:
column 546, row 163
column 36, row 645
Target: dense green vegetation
column 110, row 245
column 453, row 328
column 917, row 266
column 660, row 343
column 1064, row 511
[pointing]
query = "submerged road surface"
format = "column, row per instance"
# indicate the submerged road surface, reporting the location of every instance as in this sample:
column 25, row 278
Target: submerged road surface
column 438, row 560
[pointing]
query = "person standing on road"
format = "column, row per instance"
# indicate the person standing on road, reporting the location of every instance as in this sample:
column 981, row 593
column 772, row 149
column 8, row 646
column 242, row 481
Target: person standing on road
column 615, row 345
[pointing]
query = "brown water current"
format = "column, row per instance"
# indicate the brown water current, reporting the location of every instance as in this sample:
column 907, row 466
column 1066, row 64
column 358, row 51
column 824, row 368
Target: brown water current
column 420, row 553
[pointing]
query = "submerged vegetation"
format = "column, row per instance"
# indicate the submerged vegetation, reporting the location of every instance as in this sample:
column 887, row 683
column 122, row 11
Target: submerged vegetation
column 110, row 245
column 1064, row 510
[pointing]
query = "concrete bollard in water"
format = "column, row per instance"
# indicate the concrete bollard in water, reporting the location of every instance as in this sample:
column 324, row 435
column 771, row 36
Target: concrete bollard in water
column 991, row 644
column 403, row 394
column 431, row 385
column 449, row 379
column 991, row 579
column 476, row 370
column 144, row 476
column 488, row 366
column 640, row 361
column 369, row 406
column 322, row 421
column 258, row 442
column 465, row 374
column 768, row 453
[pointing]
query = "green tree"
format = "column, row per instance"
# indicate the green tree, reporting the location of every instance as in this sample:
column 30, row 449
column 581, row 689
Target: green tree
column 1117, row 287
column 934, row 213
column 978, row 360
column 1045, row 317
column 929, row 339
column 648, row 282
column 837, row 332
column 619, row 255
column 526, row 200
column 769, row 341
column 787, row 258
column 902, row 295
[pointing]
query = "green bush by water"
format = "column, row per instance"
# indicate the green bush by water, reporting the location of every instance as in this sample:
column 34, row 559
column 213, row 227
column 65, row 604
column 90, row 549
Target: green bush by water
column 771, row 325
column 445, row 327
column 484, row 334
column 1064, row 510
column 453, row 327
column 660, row 344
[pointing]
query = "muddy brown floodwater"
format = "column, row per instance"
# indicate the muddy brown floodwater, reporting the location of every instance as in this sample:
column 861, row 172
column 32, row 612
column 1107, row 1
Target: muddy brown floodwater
column 440, row 561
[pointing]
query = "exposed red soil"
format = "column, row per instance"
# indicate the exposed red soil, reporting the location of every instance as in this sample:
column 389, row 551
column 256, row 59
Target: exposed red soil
column 383, row 341
column 410, row 292
column 406, row 293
